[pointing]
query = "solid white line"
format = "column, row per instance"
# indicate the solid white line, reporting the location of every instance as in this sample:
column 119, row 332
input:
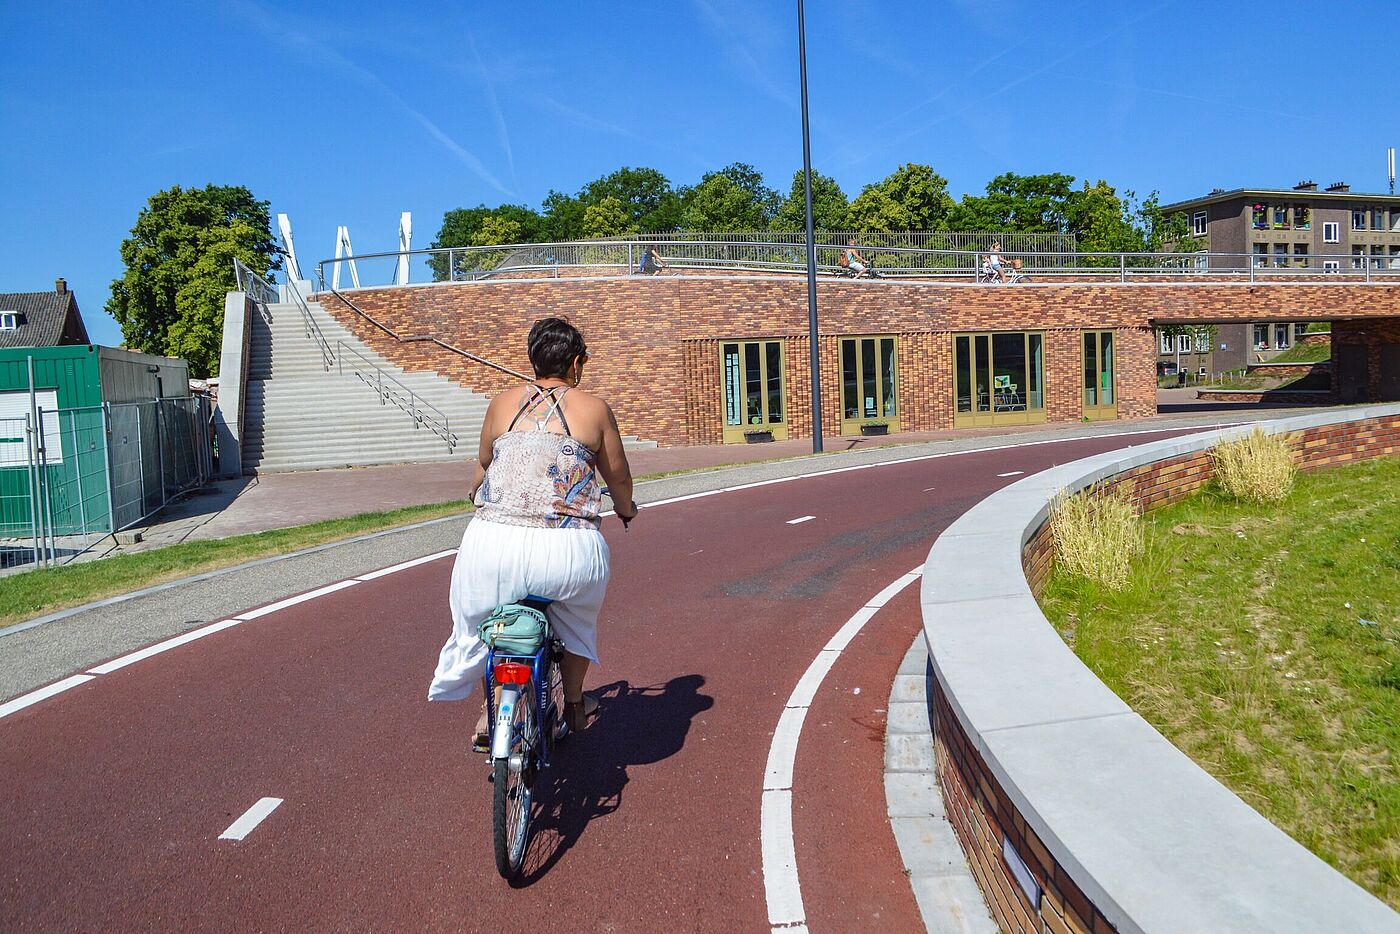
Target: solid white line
column 1014, row 473
column 781, row 887
column 148, row 651
column 800, row 519
column 49, row 690
column 404, row 566
column 293, row 601
column 250, row 819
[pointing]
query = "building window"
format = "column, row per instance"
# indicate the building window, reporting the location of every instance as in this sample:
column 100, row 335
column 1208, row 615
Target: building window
column 1281, row 341
column 1378, row 218
column 1358, row 257
column 869, row 390
column 1300, row 254
column 1164, row 342
column 998, row 378
column 1261, row 254
column 752, row 373
column 1331, row 265
column 1302, row 217
column 1198, row 224
column 1201, row 372
column 9, row 320
column 1280, row 216
column 1202, row 342
column 1183, row 343
column 1261, row 337
column 1358, row 219
column 1099, row 396
column 1331, row 232
column 1280, row 254
column 1260, row 217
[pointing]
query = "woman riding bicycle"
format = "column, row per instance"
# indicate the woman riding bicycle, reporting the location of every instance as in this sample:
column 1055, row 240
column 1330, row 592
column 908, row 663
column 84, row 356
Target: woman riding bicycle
column 535, row 531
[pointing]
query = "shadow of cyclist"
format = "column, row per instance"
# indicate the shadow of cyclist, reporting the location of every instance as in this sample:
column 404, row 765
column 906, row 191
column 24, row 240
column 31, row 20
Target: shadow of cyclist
column 634, row 726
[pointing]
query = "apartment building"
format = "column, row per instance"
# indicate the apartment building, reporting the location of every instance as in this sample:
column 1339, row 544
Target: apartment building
column 1329, row 230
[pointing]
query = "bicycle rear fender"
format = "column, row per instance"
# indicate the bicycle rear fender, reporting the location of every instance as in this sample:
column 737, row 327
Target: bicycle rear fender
column 505, row 714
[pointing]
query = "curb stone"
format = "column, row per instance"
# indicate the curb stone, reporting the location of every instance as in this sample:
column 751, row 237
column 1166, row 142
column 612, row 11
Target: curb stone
column 948, row 897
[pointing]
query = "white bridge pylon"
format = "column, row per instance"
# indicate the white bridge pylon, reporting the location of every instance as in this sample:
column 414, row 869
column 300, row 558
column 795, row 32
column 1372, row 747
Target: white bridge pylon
column 345, row 253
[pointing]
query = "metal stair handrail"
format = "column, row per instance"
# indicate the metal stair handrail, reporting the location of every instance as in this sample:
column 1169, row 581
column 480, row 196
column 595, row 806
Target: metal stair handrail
column 392, row 390
column 262, row 292
column 313, row 330
column 426, row 338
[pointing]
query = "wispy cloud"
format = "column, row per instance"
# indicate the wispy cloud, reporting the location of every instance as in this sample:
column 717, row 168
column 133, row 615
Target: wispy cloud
column 983, row 100
column 302, row 43
column 494, row 101
column 724, row 29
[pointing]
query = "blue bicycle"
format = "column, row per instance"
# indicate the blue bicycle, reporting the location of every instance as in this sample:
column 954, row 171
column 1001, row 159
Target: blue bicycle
column 524, row 720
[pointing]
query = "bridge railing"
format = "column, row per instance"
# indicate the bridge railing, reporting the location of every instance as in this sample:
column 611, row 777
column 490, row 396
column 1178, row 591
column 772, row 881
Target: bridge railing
column 617, row 257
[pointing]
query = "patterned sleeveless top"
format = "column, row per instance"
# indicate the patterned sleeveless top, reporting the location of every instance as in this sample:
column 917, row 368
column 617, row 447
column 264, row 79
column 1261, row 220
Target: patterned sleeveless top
column 540, row 478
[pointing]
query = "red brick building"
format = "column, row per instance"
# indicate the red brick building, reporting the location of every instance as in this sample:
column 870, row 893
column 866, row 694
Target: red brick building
column 699, row 359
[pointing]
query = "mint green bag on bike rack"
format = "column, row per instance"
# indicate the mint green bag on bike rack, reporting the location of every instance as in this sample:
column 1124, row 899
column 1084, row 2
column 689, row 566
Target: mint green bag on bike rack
column 513, row 629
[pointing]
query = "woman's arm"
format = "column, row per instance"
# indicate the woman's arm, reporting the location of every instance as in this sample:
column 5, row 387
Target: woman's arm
column 612, row 464
column 484, row 447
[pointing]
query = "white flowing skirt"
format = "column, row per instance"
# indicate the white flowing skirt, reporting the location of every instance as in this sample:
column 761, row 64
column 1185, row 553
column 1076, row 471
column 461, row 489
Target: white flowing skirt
column 500, row 563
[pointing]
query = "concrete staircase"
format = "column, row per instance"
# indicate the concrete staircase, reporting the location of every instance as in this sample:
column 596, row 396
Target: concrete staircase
column 298, row 416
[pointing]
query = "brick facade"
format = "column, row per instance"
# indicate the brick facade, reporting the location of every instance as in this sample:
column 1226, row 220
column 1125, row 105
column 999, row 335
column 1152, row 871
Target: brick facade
column 655, row 345
column 979, row 809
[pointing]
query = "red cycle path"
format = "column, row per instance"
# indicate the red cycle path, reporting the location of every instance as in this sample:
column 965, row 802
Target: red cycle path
column 114, row 792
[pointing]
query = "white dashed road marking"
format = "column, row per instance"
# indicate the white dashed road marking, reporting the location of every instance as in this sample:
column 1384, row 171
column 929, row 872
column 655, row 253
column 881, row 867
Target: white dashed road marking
column 1014, row 473
column 250, row 819
column 799, row 519
column 48, row 690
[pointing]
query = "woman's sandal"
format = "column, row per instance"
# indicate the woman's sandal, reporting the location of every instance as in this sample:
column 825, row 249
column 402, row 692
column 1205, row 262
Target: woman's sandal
column 577, row 713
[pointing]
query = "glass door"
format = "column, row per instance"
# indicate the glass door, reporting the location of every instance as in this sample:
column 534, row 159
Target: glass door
column 1100, row 399
column 869, row 385
column 998, row 379
column 751, row 380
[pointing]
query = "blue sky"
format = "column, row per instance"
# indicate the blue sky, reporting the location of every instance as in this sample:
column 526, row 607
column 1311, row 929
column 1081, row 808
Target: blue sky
column 350, row 112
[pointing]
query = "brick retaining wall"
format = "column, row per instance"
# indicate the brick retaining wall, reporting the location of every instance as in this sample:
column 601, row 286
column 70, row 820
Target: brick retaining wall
column 655, row 339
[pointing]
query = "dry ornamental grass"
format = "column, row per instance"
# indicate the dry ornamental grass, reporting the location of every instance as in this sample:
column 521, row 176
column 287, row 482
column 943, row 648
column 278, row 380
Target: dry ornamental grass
column 1258, row 468
column 1096, row 537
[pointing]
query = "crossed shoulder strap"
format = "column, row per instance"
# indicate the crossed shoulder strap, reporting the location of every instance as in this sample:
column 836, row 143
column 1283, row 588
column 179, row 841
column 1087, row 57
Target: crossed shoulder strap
column 539, row 395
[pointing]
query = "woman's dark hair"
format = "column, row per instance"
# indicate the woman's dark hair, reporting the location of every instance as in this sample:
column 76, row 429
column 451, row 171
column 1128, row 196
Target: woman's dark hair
column 553, row 346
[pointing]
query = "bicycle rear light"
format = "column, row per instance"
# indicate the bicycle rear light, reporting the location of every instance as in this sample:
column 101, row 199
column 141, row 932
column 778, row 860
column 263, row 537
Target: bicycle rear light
column 512, row 673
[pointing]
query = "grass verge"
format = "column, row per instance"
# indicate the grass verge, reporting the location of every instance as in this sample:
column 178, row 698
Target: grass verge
column 1264, row 641
column 34, row 593
column 1304, row 353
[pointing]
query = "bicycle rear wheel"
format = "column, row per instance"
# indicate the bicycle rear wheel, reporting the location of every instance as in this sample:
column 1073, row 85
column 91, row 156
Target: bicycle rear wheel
column 512, row 793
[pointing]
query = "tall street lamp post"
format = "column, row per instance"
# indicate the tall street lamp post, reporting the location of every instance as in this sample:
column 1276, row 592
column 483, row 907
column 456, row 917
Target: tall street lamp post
column 813, row 350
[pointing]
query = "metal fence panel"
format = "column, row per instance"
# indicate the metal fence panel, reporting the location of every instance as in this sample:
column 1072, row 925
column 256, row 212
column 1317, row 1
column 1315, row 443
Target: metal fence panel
column 93, row 471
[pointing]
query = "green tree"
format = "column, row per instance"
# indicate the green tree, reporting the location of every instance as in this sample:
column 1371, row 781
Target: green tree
column 734, row 198
column 460, row 227
column 563, row 217
column 607, row 218
column 179, row 265
column 1021, row 203
column 647, row 195
column 830, row 208
column 1102, row 222
column 912, row 197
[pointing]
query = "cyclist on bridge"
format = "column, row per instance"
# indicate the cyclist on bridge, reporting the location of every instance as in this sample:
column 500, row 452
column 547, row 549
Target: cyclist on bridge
column 536, row 527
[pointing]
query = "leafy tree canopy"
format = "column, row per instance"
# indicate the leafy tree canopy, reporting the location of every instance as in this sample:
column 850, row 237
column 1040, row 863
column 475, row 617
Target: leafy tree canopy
column 179, row 265
column 607, row 218
column 461, row 226
column 912, row 197
column 830, row 208
column 646, row 193
column 734, row 198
